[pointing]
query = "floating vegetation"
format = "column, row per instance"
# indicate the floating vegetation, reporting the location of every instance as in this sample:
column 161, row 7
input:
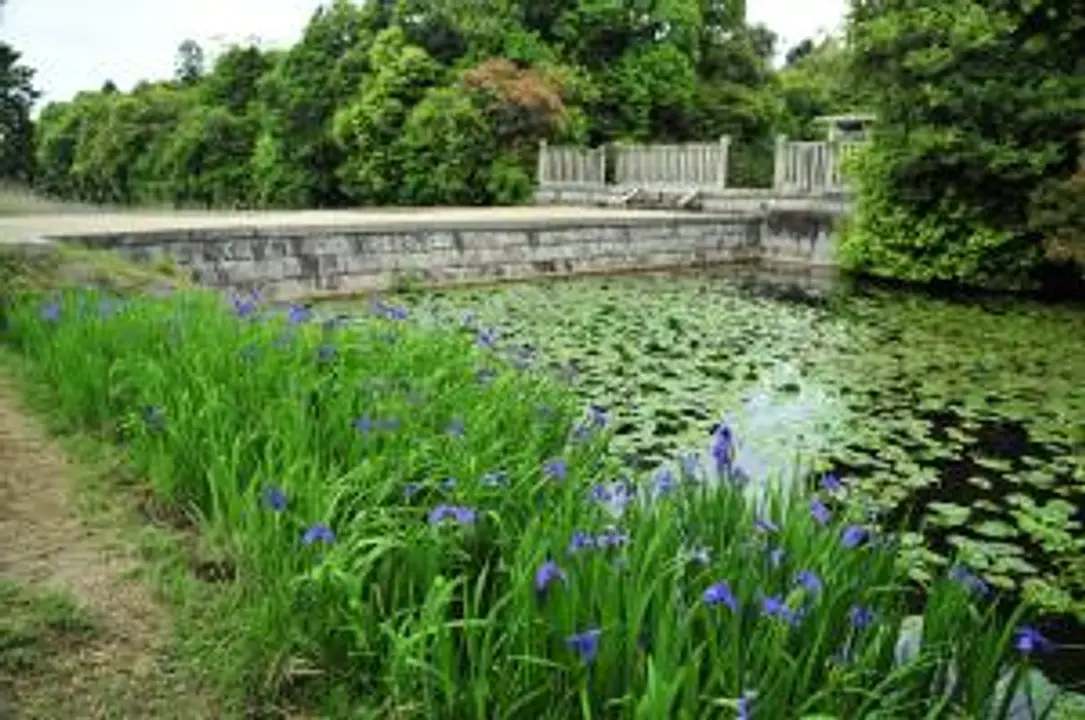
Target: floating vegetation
column 953, row 415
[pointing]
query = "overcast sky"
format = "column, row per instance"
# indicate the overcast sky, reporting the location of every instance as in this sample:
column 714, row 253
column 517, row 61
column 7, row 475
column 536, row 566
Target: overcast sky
column 79, row 44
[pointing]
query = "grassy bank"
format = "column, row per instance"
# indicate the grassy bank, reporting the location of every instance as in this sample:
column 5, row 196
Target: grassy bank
column 402, row 521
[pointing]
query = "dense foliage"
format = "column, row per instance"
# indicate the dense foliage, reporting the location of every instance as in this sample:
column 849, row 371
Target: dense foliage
column 980, row 107
column 420, row 103
column 17, row 97
column 413, row 522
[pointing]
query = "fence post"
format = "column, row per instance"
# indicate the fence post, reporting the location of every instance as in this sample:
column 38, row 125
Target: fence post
column 832, row 162
column 779, row 176
column 540, row 171
column 602, row 165
column 725, row 160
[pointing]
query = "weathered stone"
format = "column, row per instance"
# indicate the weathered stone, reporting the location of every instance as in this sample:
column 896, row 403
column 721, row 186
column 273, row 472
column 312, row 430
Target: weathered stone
column 288, row 262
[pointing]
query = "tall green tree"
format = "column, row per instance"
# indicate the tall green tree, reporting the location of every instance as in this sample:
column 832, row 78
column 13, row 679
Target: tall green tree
column 189, row 64
column 296, row 158
column 978, row 104
column 17, row 98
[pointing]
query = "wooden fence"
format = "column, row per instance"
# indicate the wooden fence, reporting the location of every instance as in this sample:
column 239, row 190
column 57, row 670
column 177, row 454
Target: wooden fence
column 812, row 167
column 801, row 167
column 572, row 165
column 689, row 166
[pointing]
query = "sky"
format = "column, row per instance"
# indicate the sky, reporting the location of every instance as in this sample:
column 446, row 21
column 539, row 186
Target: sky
column 78, row 44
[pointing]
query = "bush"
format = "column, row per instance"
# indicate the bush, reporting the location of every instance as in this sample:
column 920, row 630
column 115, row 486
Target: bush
column 1057, row 211
column 426, row 531
column 948, row 241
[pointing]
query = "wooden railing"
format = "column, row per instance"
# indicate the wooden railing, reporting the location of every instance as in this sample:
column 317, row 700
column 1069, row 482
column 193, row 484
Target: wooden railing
column 572, row 165
column 812, row 167
column 689, row 166
column 801, row 167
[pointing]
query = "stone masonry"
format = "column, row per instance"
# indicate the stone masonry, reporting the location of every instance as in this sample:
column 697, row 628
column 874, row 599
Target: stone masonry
column 288, row 260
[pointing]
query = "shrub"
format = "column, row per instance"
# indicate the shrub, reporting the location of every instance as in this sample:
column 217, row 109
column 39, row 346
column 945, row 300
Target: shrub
column 426, row 531
column 1057, row 211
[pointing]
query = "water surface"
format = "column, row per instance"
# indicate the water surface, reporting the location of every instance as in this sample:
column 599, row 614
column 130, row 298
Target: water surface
column 969, row 417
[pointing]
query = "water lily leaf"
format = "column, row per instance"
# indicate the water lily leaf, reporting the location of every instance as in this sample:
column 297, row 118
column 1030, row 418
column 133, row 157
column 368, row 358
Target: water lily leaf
column 996, row 529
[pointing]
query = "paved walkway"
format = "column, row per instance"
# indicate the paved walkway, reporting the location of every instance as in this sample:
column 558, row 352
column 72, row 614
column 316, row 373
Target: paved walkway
column 24, row 228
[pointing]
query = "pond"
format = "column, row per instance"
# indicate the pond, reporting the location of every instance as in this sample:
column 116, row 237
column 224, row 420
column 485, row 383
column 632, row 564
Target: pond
column 965, row 418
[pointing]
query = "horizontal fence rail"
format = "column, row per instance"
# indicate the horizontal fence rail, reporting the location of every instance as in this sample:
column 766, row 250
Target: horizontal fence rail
column 812, row 166
column 687, row 166
column 572, row 165
column 801, row 167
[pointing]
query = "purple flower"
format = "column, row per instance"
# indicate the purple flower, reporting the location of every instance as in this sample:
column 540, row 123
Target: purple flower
column 50, row 312
column 720, row 594
column 461, row 515
column 1029, row 640
column 549, row 572
column 819, row 512
column 763, row 524
column 364, row 424
column 411, row 489
column 555, row 468
column 971, row 581
column 723, row 447
column 598, row 416
column 860, row 616
column 663, row 483
column 773, row 606
column 585, row 644
column 244, row 307
column 275, row 498
column 487, row 338
column 318, row 533
column 456, row 428
column 745, row 706
column 853, row 536
column 691, row 466
column 809, row 581
column 611, row 538
column 831, row 483
column 298, row 315
column 580, row 541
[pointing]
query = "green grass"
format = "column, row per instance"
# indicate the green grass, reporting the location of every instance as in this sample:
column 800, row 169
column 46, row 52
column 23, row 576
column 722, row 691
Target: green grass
column 35, row 629
column 313, row 457
column 33, row 625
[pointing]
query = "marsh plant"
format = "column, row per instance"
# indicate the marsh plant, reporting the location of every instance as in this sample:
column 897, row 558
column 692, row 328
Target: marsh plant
column 421, row 528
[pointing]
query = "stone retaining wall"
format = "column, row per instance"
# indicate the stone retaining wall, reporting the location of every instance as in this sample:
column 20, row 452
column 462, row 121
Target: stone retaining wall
column 291, row 262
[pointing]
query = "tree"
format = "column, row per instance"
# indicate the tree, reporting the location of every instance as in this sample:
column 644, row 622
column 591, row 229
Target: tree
column 234, row 81
column 368, row 127
column 978, row 105
column 296, row 157
column 800, row 51
column 375, row 93
column 189, row 65
column 17, row 98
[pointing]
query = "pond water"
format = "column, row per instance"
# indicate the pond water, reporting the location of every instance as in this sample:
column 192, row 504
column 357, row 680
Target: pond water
column 966, row 418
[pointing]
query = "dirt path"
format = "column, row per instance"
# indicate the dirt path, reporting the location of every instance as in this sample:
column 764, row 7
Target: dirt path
column 79, row 637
